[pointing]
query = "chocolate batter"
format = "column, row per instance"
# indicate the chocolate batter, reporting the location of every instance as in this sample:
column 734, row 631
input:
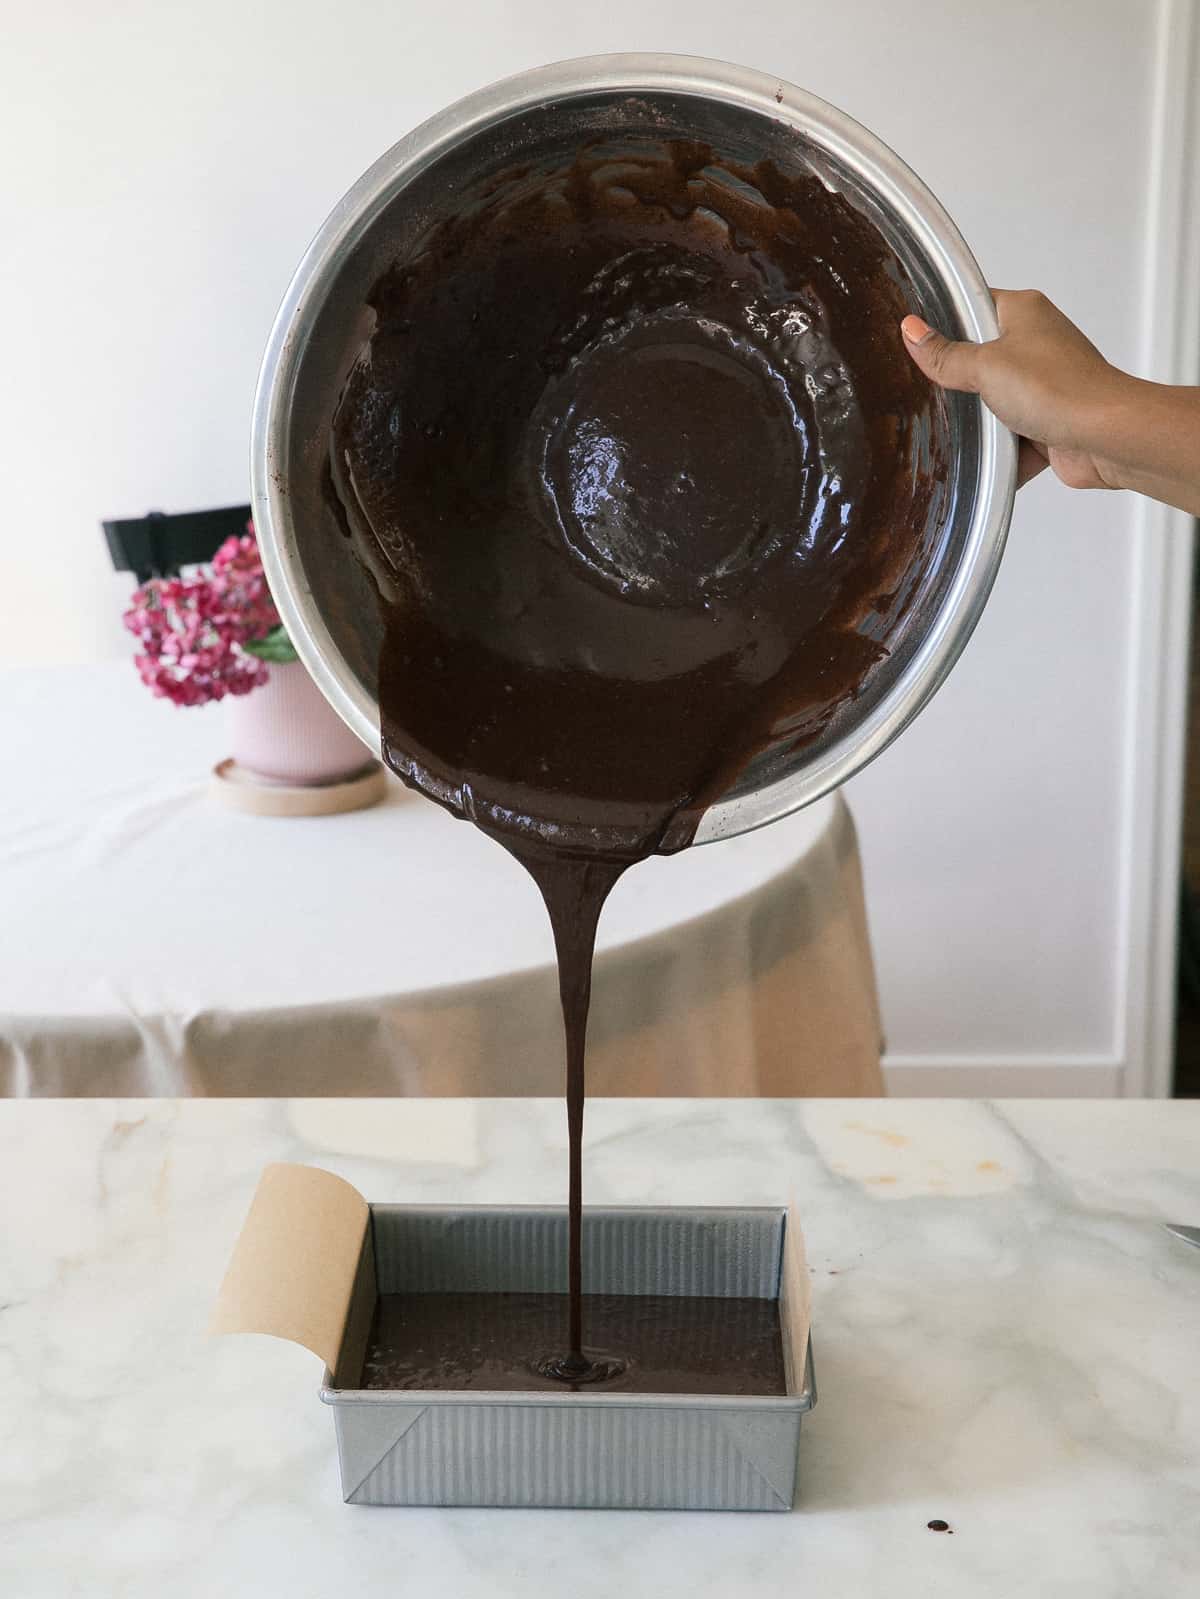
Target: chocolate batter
column 668, row 1344
column 634, row 455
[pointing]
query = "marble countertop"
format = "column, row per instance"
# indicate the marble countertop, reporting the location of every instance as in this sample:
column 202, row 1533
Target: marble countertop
column 1005, row 1339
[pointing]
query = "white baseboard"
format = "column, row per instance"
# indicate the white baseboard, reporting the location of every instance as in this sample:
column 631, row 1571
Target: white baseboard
column 1068, row 1077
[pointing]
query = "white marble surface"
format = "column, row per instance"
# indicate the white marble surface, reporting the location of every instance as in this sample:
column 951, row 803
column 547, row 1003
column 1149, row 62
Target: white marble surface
column 1005, row 1338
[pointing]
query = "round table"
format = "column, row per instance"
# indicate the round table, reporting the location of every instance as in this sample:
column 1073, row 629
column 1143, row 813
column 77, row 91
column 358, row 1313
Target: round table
column 156, row 942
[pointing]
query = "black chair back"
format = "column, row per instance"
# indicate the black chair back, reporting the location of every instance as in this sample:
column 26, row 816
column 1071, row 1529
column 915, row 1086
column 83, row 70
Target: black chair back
column 158, row 545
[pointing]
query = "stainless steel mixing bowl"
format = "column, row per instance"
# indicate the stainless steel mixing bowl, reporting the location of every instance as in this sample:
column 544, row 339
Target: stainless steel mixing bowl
column 324, row 595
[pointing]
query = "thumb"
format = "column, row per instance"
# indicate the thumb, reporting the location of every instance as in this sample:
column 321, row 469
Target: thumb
column 953, row 365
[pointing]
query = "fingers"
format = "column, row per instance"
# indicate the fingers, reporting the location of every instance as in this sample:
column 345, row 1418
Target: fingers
column 1031, row 459
column 951, row 364
column 1018, row 305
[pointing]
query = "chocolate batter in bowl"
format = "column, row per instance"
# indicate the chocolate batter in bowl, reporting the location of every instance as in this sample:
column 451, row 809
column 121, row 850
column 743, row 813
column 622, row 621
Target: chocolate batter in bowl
column 595, row 486
column 640, row 468
column 635, row 319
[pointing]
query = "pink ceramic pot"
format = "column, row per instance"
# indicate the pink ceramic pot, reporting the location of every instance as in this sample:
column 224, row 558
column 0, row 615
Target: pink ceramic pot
column 287, row 731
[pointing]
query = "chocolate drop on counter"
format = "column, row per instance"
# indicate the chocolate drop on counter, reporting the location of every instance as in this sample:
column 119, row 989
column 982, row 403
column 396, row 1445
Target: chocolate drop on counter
column 640, row 468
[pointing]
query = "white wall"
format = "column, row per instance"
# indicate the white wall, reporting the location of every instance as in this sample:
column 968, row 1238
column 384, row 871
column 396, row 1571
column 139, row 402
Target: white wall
column 166, row 163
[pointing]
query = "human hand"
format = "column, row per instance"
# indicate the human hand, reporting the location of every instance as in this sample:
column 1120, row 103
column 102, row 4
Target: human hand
column 1041, row 377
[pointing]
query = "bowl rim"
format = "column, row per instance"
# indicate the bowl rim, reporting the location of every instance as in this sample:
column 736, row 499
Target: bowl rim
column 850, row 143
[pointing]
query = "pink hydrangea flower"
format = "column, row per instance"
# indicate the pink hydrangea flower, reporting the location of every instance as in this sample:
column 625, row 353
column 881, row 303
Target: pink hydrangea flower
column 238, row 577
column 192, row 629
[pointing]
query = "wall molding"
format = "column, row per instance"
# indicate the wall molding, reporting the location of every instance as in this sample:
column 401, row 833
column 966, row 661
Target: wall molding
column 1157, row 682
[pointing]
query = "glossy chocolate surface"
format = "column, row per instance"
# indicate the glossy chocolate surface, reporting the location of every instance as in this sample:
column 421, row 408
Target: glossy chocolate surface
column 631, row 452
column 655, row 1343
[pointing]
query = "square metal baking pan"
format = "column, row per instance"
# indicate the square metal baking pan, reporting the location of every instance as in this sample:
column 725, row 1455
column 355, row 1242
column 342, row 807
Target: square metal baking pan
column 586, row 1449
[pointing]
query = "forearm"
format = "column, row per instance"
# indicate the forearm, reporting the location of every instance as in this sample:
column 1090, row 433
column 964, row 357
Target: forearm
column 1146, row 437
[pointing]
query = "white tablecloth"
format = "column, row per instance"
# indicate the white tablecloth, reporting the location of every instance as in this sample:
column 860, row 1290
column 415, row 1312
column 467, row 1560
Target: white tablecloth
column 156, row 942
